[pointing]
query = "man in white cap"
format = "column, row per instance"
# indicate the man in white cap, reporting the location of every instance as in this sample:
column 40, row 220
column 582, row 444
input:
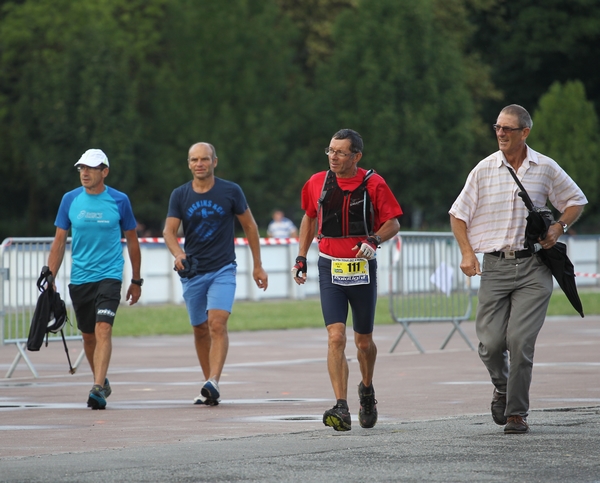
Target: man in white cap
column 97, row 215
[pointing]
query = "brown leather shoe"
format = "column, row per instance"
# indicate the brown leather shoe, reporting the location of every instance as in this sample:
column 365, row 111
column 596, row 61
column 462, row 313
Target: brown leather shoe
column 516, row 425
column 498, row 408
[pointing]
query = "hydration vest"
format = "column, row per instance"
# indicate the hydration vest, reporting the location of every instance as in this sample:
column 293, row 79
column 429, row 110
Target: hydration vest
column 344, row 214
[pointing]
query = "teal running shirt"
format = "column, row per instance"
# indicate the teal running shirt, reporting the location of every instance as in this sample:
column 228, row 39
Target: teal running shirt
column 96, row 223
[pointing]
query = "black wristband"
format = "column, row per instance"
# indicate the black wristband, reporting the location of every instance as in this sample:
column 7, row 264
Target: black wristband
column 374, row 240
column 139, row 282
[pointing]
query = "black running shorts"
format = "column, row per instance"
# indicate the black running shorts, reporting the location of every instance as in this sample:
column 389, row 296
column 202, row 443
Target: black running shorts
column 95, row 302
column 335, row 299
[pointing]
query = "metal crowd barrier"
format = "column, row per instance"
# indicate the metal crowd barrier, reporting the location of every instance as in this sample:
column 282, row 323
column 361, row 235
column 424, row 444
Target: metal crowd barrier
column 427, row 285
column 21, row 261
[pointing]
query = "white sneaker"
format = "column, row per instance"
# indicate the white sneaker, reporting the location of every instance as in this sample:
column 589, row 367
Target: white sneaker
column 210, row 391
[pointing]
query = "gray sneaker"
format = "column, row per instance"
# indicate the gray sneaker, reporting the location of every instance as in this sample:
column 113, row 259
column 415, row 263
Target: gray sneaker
column 106, row 388
column 97, row 399
column 367, row 414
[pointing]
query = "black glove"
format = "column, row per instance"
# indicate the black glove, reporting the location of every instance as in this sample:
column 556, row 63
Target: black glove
column 300, row 266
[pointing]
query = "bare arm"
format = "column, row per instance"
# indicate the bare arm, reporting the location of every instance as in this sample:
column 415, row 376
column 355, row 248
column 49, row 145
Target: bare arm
column 57, row 250
column 469, row 263
column 251, row 230
column 389, row 229
column 135, row 256
column 307, row 235
column 170, row 236
column 305, row 239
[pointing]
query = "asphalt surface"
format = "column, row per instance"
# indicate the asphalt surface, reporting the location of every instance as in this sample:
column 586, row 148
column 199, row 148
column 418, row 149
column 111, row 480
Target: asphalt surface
column 434, row 422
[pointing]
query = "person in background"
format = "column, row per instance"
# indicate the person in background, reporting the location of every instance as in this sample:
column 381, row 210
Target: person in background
column 353, row 211
column 207, row 206
column 489, row 217
column 281, row 227
column 97, row 215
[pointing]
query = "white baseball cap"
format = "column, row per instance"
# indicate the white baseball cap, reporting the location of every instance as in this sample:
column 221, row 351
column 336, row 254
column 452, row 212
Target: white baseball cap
column 93, row 158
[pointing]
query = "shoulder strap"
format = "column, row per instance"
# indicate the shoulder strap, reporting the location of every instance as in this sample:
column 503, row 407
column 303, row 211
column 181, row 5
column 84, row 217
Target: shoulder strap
column 523, row 194
column 329, row 178
column 368, row 174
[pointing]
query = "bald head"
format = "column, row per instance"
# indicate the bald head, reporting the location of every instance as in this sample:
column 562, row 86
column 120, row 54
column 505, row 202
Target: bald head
column 207, row 145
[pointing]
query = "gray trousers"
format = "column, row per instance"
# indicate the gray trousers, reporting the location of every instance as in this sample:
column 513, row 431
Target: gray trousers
column 512, row 303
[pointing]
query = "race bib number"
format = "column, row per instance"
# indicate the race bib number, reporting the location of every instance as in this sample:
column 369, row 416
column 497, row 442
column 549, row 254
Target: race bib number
column 350, row 271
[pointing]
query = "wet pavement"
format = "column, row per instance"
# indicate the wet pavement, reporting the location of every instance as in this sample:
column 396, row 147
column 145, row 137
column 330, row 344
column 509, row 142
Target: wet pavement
column 434, row 422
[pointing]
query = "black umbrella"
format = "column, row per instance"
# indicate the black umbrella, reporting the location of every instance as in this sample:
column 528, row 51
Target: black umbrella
column 555, row 258
column 563, row 271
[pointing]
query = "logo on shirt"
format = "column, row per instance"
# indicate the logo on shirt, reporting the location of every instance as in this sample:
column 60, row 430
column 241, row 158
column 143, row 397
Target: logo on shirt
column 206, row 208
column 207, row 214
column 90, row 215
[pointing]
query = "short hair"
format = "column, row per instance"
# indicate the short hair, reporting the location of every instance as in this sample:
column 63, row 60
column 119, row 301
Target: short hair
column 521, row 113
column 356, row 142
column 214, row 151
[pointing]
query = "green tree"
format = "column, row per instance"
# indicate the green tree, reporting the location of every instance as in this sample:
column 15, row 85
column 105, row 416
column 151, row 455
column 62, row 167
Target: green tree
column 314, row 20
column 226, row 77
column 398, row 77
column 566, row 129
column 530, row 44
column 68, row 83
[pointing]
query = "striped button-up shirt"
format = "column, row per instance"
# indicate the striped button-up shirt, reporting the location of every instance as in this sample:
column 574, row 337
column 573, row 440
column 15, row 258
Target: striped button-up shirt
column 490, row 206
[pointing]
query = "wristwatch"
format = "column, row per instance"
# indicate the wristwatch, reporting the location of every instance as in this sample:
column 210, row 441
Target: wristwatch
column 378, row 239
column 564, row 225
column 139, row 282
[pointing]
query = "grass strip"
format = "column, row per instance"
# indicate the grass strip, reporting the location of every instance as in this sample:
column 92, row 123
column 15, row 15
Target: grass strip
column 172, row 319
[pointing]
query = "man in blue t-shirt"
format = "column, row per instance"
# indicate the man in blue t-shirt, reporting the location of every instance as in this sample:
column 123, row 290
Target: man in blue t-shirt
column 207, row 207
column 96, row 215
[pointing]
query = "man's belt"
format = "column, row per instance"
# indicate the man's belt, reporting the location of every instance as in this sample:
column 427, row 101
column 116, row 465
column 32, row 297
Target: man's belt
column 511, row 254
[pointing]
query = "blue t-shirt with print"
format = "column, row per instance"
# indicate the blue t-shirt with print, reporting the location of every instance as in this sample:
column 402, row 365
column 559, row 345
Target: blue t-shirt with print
column 96, row 223
column 208, row 222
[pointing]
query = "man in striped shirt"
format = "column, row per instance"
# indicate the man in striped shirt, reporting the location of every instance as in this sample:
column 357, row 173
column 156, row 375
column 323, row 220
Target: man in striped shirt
column 489, row 217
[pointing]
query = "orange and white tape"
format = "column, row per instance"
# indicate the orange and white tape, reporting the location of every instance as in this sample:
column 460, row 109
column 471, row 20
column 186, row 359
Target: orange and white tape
column 592, row 275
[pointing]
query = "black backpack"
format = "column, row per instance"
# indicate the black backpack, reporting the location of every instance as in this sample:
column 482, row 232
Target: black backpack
column 50, row 315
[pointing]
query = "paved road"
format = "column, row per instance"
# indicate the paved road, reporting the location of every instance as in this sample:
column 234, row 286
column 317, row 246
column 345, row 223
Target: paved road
column 434, row 423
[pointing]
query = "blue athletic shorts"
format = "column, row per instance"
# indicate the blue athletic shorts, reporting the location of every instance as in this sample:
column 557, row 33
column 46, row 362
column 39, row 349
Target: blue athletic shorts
column 208, row 291
column 335, row 299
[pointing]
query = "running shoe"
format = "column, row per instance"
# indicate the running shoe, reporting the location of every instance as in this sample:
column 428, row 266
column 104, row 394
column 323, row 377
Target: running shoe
column 106, row 388
column 210, row 391
column 97, row 399
column 200, row 399
column 338, row 418
column 367, row 414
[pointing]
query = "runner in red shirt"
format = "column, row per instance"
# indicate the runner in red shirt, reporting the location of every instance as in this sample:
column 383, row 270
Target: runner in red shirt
column 353, row 211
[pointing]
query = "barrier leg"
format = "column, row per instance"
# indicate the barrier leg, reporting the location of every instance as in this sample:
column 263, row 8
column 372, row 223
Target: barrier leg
column 411, row 335
column 397, row 340
column 23, row 354
column 458, row 329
